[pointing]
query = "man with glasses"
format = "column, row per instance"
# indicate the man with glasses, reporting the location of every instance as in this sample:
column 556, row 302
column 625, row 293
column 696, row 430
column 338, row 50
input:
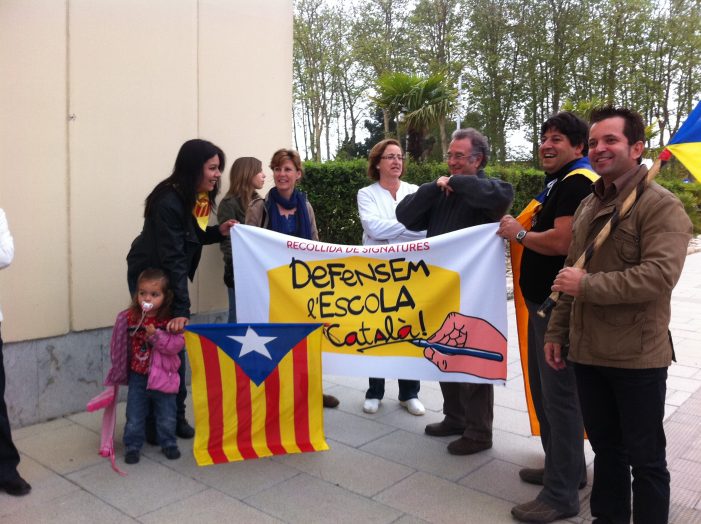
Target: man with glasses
column 466, row 198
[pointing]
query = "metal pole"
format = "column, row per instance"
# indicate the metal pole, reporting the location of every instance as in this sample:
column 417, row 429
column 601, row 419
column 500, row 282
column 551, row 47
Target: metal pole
column 459, row 104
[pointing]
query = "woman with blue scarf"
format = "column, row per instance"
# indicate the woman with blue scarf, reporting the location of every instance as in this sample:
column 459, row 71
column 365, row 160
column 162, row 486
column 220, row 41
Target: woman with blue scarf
column 286, row 209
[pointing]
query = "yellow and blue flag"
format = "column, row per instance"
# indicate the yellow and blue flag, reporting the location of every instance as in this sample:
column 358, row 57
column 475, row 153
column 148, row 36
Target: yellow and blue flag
column 685, row 145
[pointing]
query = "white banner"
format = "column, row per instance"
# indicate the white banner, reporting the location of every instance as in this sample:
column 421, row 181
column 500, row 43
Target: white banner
column 432, row 309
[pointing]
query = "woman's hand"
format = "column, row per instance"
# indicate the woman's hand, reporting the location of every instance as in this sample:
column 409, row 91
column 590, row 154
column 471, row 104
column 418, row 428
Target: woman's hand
column 177, row 324
column 225, row 227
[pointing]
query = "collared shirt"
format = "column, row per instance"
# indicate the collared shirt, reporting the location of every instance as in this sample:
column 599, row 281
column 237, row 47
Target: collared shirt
column 606, row 195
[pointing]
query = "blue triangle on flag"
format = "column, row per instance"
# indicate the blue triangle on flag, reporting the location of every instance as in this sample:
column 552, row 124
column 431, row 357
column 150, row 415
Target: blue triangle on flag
column 256, row 348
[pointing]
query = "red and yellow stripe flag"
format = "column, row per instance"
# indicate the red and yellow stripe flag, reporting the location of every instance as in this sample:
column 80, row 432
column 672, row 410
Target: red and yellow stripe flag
column 256, row 390
column 202, row 209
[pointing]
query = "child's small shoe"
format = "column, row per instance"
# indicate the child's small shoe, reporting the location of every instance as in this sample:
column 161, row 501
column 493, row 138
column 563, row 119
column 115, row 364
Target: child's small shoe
column 132, row 457
column 171, row 452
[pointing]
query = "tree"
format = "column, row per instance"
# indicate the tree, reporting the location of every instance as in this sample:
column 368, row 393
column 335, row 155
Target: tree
column 495, row 67
column 313, row 71
column 421, row 101
column 435, row 28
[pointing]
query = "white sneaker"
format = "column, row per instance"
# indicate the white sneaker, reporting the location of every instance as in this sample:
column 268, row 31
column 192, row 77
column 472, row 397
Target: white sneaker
column 414, row 406
column 371, row 405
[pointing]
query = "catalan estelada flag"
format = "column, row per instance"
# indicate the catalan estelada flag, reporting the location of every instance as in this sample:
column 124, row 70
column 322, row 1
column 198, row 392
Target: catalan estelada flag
column 256, row 390
column 686, row 143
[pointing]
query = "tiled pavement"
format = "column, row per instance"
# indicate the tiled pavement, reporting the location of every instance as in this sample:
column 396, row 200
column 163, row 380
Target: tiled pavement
column 380, row 468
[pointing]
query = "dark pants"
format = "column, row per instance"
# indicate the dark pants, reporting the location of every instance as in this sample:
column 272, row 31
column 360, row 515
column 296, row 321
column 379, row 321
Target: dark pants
column 231, row 292
column 561, row 428
column 407, row 389
column 623, row 411
column 469, row 406
column 9, row 456
column 139, row 402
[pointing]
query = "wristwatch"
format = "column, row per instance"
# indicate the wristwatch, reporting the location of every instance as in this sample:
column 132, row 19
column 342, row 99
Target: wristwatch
column 521, row 235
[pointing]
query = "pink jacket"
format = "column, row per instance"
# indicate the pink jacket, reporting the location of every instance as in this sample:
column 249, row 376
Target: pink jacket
column 163, row 372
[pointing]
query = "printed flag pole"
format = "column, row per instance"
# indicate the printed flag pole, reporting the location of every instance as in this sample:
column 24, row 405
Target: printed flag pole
column 686, row 146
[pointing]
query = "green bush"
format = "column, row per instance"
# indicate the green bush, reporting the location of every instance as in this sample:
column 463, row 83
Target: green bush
column 332, row 188
column 690, row 195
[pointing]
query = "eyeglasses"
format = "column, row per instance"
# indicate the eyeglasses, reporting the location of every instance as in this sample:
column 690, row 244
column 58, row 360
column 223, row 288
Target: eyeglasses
column 459, row 156
column 392, row 157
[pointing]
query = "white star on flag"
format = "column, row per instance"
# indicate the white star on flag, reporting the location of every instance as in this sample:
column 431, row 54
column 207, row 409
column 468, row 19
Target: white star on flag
column 253, row 343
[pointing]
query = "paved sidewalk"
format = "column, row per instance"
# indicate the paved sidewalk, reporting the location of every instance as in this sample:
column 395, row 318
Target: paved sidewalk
column 381, row 468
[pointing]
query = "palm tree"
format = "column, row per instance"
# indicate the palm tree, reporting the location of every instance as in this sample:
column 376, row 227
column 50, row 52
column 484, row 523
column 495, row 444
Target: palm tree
column 423, row 101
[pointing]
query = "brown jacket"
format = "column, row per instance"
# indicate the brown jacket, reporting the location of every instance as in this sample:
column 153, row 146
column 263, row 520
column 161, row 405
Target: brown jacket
column 621, row 318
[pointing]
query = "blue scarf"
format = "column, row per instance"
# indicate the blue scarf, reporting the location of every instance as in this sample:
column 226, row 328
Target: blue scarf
column 297, row 200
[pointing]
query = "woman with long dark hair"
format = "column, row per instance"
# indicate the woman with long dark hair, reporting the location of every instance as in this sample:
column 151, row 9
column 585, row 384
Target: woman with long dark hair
column 175, row 229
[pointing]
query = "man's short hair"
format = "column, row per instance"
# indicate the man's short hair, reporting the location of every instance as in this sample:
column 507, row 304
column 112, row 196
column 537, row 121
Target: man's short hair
column 633, row 127
column 574, row 128
column 478, row 140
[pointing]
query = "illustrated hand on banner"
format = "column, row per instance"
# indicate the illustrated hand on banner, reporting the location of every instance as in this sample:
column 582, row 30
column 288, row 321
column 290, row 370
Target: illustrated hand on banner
column 467, row 345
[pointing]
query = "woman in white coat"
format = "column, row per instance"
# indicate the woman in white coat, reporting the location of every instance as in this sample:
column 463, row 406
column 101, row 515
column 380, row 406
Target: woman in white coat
column 376, row 206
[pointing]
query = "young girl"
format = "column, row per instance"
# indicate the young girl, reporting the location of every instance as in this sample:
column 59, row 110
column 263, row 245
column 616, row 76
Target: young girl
column 245, row 178
column 145, row 356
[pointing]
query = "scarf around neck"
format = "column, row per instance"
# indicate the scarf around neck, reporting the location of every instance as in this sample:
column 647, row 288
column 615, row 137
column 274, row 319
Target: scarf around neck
column 298, row 200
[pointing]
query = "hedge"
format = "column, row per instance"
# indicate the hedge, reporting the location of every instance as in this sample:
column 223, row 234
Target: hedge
column 332, row 188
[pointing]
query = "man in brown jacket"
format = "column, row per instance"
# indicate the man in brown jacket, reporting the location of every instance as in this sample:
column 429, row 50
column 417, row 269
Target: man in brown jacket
column 615, row 317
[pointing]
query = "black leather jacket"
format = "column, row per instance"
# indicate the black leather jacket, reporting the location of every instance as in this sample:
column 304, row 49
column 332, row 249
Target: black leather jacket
column 172, row 241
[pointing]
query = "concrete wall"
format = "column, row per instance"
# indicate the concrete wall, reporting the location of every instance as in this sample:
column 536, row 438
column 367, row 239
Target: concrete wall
column 96, row 97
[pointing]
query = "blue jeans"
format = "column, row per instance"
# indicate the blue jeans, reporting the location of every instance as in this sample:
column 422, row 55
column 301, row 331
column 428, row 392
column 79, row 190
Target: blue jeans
column 623, row 411
column 232, row 305
column 139, row 399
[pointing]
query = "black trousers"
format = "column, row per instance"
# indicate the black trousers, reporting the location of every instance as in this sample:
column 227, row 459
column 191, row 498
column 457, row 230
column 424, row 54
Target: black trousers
column 9, row 456
column 623, row 410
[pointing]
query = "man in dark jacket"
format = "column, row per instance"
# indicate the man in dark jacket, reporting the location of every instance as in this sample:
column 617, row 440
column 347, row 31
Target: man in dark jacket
column 563, row 149
column 466, row 198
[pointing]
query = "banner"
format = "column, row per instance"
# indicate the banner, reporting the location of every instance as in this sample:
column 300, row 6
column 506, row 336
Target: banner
column 256, row 390
column 432, row 309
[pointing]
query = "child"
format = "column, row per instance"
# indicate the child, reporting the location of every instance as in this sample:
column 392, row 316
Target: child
column 150, row 356
column 245, row 178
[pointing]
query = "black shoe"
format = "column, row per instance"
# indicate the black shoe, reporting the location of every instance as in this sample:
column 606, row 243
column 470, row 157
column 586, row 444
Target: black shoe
column 172, row 452
column 441, row 429
column 151, row 436
column 183, row 429
column 467, row 446
column 330, row 401
column 132, row 457
column 535, row 476
column 16, row 487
